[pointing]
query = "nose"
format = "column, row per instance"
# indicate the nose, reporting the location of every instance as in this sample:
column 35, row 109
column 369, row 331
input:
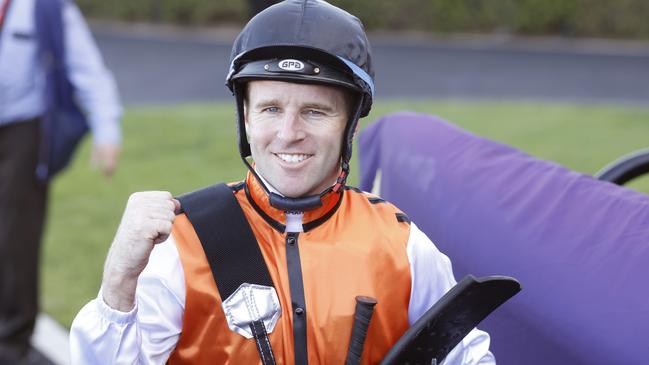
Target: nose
column 291, row 127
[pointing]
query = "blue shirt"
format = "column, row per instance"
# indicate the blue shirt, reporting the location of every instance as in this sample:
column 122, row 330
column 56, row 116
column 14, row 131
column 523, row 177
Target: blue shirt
column 22, row 79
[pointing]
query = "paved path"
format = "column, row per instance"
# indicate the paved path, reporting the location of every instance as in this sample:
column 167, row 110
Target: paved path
column 161, row 65
column 50, row 339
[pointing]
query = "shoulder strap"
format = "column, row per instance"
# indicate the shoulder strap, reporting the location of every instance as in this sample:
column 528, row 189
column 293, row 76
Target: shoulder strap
column 229, row 244
column 64, row 124
column 51, row 48
column 48, row 18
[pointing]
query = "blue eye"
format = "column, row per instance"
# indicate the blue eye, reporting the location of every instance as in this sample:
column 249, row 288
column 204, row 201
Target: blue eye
column 271, row 109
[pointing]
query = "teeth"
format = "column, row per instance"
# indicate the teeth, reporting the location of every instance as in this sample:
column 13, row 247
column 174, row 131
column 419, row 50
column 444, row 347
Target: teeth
column 292, row 158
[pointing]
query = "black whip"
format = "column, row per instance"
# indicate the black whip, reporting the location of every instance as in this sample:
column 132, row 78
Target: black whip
column 362, row 318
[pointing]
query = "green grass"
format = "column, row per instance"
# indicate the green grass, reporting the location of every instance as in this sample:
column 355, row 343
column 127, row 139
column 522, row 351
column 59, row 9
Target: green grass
column 182, row 148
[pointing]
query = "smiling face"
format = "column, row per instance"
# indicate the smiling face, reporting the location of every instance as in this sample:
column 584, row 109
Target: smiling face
column 295, row 133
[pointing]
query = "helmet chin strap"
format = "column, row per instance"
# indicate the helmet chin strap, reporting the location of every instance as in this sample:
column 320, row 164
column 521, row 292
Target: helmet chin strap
column 342, row 178
column 301, row 204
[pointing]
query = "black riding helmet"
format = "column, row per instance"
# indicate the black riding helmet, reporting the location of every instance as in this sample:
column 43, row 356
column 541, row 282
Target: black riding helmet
column 308, row 41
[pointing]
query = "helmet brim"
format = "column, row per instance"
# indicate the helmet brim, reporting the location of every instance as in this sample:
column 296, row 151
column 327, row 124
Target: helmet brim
column 312, row 72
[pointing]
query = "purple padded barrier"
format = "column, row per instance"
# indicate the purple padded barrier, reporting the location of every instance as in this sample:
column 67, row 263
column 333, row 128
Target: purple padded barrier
column 579, row 247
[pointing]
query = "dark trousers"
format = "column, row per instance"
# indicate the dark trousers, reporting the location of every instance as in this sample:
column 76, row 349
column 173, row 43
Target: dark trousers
column 22, row 212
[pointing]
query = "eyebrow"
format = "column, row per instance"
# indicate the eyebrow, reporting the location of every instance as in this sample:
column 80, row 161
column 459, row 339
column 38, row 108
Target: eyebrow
column 319, row 106
column 266, row 103
column 309, row 105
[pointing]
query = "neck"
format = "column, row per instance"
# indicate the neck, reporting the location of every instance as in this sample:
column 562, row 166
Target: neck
column 262, row 200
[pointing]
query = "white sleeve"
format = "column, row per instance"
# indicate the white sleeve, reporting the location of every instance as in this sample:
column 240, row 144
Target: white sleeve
column 432, row 277
column 145, row 335
column 94, row 86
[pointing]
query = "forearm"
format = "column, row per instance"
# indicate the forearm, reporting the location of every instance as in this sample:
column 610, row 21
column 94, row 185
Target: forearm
column 148, row 333
column 118, row 291
column 119, row 284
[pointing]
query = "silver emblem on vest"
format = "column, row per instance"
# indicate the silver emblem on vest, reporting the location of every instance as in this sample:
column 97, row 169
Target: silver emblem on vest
column 251, row 302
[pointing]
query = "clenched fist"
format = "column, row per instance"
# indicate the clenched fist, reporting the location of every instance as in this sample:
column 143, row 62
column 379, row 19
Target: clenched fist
column 147, row 221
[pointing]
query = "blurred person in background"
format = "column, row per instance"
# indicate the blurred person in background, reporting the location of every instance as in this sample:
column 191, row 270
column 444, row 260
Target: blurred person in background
column 25, row 110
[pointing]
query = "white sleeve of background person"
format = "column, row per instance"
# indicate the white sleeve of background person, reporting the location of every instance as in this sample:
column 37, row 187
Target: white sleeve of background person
column 432, row 277
column 145, row 335
column 95, row 88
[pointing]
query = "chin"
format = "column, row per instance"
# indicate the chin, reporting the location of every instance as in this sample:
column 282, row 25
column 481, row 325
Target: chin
column 292, row 187
column 291, row 193
column 292, row 190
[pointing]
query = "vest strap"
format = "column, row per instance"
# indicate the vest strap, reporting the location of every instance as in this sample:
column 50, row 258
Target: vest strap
column 230, row 246
column 261, row 340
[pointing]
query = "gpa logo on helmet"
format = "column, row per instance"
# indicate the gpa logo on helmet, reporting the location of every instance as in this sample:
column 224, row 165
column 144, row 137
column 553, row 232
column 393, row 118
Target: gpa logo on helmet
column 291, row 65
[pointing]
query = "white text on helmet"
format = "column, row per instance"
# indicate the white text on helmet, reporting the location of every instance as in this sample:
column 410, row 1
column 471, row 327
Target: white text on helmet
column 291, row 65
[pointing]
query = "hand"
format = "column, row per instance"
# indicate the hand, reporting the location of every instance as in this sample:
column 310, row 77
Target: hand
column 105, row 157
column 147, row 221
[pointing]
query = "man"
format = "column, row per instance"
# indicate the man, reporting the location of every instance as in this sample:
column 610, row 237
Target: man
column 23, row 111
column 302, row 76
